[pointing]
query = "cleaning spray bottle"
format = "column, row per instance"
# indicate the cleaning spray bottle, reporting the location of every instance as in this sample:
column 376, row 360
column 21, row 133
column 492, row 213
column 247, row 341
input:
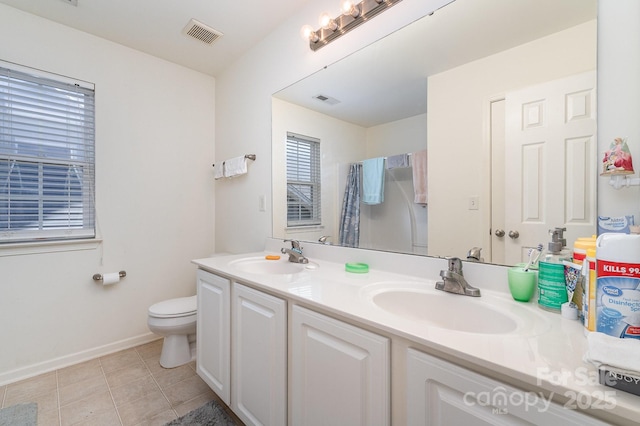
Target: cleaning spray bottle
column 552, row 290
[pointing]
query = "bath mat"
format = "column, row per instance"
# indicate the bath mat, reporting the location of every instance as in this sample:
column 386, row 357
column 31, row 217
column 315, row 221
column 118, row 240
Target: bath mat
column 210, row 414
column 19, row 415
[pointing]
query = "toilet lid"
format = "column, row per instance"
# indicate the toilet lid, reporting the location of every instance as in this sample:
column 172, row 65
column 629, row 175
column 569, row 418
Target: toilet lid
column 181, row 306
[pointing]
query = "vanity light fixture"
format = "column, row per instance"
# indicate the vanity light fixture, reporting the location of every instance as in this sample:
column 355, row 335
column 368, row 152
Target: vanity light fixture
column 354, row 14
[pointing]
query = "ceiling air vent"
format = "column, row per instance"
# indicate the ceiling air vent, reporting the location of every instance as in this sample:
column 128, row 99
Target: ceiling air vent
column 201, row 32
column 327, row 99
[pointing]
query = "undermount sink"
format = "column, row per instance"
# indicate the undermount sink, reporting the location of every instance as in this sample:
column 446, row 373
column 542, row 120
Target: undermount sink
column 488, row 314
column 260, row 265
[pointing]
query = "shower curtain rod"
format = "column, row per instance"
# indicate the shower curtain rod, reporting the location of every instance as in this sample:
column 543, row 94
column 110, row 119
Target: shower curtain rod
column 409, row 154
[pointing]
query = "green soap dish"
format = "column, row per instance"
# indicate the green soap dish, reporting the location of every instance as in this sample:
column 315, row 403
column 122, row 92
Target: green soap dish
column 356, row 268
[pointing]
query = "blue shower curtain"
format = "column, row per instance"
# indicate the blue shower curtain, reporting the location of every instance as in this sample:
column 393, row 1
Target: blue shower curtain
column 350, row 218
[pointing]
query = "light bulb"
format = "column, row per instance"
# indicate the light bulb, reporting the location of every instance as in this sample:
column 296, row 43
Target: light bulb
column 308, row 33
column 349, row 7
column 327, row 22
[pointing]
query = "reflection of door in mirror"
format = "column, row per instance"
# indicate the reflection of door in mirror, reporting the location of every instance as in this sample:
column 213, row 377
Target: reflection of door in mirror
column 459, row 105
column 551, row 173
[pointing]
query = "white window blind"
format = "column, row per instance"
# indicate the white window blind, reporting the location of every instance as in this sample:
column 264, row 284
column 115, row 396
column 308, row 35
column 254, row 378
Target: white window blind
column 303, row 180
column 47, row 177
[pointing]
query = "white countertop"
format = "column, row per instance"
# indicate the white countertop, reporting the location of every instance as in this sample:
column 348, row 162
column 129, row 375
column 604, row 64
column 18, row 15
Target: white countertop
column 546, row 354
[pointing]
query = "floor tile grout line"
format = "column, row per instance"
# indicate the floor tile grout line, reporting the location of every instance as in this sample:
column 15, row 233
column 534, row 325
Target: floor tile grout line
column 58, row 398
column 115, row 406
column 156, row 382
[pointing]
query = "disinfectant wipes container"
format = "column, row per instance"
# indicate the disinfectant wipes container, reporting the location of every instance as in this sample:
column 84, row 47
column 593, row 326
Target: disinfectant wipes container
column 618, row 285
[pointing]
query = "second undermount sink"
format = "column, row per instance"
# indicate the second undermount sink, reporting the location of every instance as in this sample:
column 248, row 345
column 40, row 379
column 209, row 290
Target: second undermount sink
column 489, row 314
column 260, row 265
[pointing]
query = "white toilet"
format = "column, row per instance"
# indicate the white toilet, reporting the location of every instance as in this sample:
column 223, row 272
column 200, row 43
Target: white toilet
column 175, row 319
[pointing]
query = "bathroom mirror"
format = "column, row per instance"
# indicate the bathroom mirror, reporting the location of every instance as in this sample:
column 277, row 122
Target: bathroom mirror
column 447, row 83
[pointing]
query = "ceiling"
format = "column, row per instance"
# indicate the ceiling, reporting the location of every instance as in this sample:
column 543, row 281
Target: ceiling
column 155, row 26
column 384, row 77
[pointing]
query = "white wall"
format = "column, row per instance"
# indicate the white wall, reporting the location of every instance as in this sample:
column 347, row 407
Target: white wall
column 243, row 115
column 154, row 197
column 619, row 97
column 457, row 105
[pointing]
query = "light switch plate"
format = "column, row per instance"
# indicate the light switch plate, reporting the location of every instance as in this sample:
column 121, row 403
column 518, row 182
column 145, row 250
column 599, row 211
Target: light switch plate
column 474, row 203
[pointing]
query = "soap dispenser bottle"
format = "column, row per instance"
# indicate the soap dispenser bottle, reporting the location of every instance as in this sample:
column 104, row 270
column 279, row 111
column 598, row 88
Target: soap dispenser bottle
column 552, row 290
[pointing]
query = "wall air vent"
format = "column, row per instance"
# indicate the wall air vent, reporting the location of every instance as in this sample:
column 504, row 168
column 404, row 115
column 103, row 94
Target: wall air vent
column 327, row 99
column 201, row 32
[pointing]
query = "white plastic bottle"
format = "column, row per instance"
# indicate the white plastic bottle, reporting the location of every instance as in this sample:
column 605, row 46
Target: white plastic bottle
column 552, row 290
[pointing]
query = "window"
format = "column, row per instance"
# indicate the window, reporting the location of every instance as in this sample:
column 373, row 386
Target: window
column 303, row 180
column 46, row 156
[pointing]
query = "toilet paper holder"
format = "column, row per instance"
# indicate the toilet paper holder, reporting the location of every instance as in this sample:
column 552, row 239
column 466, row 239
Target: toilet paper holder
column 98, row 277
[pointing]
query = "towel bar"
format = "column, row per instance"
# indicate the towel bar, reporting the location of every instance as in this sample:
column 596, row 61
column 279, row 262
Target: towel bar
column 251, row 157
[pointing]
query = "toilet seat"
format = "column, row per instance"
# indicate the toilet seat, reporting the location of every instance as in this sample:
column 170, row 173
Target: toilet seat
column 173, row 308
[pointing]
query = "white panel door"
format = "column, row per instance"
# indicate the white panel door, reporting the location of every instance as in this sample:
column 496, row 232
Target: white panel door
column 442, row 394
column 550, row 176
column 213, row 335
column 340, row 373
column 259, row 357
column 495, row 245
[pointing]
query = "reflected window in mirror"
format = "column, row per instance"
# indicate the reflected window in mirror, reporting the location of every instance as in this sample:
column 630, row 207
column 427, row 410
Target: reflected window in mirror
column 303, row 181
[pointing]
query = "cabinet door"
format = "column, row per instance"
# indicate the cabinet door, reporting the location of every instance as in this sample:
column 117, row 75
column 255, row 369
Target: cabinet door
column 441, row 393
column 259, row 357
column 340, row 373
column 213, row 333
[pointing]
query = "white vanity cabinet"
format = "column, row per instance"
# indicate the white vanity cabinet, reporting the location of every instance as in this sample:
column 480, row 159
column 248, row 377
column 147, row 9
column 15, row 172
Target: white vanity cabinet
column 441, row 393
column 214, row 333
column 259, row 357
column 340, row 373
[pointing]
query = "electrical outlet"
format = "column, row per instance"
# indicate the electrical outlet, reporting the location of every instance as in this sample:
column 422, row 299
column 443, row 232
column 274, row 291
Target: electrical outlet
column 474, row 203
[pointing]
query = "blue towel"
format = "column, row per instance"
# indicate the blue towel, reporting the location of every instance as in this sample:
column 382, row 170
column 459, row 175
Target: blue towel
column 373, row 181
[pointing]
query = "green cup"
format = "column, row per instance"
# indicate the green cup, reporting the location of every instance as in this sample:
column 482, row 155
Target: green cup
column 522, row 284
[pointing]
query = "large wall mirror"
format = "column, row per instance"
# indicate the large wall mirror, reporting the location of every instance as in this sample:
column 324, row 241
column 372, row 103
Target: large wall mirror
column 500, row 93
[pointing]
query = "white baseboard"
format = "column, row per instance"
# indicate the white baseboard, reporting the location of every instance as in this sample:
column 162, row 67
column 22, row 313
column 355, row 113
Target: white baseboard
column 67, row 360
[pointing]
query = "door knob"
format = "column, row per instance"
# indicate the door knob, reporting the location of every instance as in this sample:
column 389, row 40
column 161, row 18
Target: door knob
column 499, row 233
column 514, row 234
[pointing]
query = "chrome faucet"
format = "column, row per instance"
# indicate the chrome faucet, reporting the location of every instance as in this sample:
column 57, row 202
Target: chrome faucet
column 295, row 252
column 324, row 239
column 474, row 255
column 454, row 282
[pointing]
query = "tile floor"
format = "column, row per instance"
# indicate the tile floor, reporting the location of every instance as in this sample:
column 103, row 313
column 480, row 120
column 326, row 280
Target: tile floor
column 125, row 388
